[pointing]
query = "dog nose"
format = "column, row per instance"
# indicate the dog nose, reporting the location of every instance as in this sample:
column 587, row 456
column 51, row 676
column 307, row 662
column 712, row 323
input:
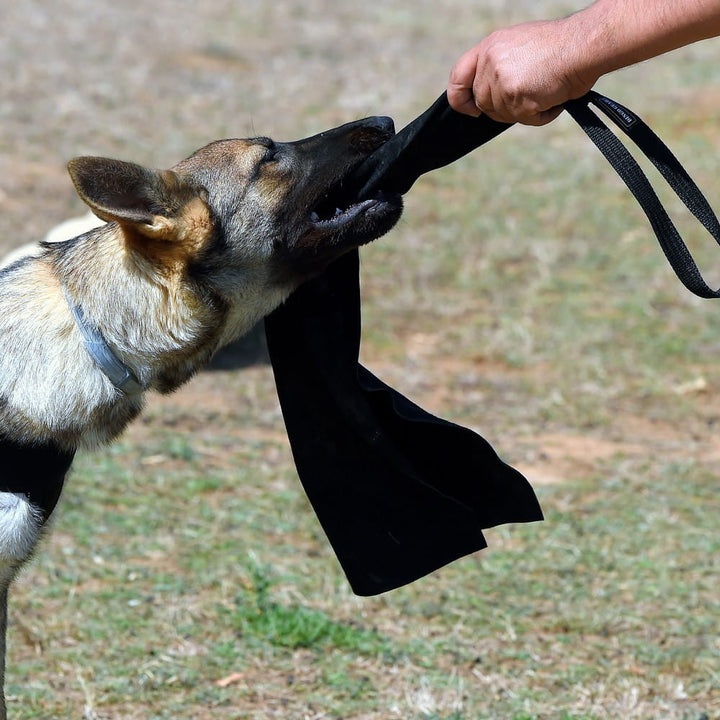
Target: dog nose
column 370, row 133
column 382, row 123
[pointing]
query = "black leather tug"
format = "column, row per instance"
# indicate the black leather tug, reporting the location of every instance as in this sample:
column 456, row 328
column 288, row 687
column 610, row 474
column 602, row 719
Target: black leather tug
column 36, row 470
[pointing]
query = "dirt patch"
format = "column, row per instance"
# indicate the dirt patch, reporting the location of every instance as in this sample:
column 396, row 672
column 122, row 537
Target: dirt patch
column 563, row 457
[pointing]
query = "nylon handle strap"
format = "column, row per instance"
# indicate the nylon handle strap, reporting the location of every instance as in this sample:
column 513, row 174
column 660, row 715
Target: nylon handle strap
column 626, row 166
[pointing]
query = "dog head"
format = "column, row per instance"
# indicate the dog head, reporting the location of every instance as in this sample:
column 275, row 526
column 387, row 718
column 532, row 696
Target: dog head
column 246, row 215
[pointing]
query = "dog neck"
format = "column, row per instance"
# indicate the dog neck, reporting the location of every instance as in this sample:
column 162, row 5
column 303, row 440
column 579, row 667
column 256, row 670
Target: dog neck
column 119, row 374
column 136, row 319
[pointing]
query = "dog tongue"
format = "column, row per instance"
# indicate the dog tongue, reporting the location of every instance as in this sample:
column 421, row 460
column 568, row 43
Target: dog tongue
column 436, row 138
column 398, row 492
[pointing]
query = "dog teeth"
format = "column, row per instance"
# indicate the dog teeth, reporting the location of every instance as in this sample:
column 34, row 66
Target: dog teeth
column 314, row 217
column 341, row 215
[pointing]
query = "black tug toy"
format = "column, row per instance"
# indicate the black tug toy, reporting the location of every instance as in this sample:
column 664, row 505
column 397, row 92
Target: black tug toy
column 398, row 491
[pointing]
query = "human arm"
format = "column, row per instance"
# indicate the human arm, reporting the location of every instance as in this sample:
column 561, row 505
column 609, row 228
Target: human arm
column 524, row 73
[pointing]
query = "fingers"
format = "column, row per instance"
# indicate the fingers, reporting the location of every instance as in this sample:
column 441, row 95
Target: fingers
column 511, row 108
column 460, row 92
column 544, row 117
column 464, row 103
column 478, row 98
column 517, row 74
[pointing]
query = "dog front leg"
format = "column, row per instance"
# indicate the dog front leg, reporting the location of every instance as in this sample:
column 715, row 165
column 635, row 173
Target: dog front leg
column 20, row 527
column 3, row 635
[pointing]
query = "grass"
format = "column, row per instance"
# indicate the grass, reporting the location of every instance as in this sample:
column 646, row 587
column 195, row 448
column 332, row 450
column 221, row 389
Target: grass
column 608, row 609
column 258, row 618
column 522, row 295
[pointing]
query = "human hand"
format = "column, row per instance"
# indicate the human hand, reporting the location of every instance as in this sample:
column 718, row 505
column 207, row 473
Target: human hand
column 523, row 73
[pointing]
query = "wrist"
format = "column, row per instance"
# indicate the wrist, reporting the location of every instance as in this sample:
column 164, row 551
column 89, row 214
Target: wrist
column 592, row 47
column 612, row 34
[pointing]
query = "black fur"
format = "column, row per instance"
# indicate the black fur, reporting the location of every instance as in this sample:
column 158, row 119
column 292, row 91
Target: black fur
column 36, row 471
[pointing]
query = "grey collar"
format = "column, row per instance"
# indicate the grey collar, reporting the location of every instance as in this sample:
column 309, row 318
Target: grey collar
column 107, row 361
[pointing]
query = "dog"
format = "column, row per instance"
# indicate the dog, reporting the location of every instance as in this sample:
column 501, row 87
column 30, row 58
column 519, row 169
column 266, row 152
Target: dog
column 186, row 261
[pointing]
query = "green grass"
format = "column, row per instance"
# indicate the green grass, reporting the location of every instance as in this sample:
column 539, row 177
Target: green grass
column 257, row 618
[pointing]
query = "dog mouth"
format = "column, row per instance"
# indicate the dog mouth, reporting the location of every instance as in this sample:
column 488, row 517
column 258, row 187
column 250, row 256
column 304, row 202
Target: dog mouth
column 333, row 213
column 343, row 213
column 338, row 223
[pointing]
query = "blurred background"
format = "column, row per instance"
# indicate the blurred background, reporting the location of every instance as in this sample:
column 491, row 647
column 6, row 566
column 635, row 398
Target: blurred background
column 522, row 295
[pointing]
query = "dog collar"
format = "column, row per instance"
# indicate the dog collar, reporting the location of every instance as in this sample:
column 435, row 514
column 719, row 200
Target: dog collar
column 107, row 361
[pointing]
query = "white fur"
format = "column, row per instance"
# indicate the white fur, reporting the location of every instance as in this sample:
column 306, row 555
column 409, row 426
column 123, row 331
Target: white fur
column 47, row 377
column 20, row 524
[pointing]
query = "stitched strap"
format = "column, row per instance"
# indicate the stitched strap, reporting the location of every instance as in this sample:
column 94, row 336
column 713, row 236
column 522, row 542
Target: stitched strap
column 657, row 152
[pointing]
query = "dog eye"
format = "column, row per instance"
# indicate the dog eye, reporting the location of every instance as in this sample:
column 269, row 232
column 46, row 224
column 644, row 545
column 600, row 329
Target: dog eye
column 271, row 150
column 270, row 156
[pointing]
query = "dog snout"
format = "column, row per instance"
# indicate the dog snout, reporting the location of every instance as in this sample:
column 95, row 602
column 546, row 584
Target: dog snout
column 347, row 143
column 381, row 123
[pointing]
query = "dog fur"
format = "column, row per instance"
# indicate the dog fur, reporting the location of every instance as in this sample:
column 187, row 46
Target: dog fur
column 188, row 260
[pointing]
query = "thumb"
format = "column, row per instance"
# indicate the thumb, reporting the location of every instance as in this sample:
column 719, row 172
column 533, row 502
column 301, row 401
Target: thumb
column 462, row 100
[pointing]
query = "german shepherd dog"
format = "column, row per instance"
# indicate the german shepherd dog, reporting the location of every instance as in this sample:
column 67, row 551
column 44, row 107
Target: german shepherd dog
column 189, row 259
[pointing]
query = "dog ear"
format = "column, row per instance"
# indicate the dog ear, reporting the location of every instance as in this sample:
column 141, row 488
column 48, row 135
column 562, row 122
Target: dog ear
column 150, row 201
